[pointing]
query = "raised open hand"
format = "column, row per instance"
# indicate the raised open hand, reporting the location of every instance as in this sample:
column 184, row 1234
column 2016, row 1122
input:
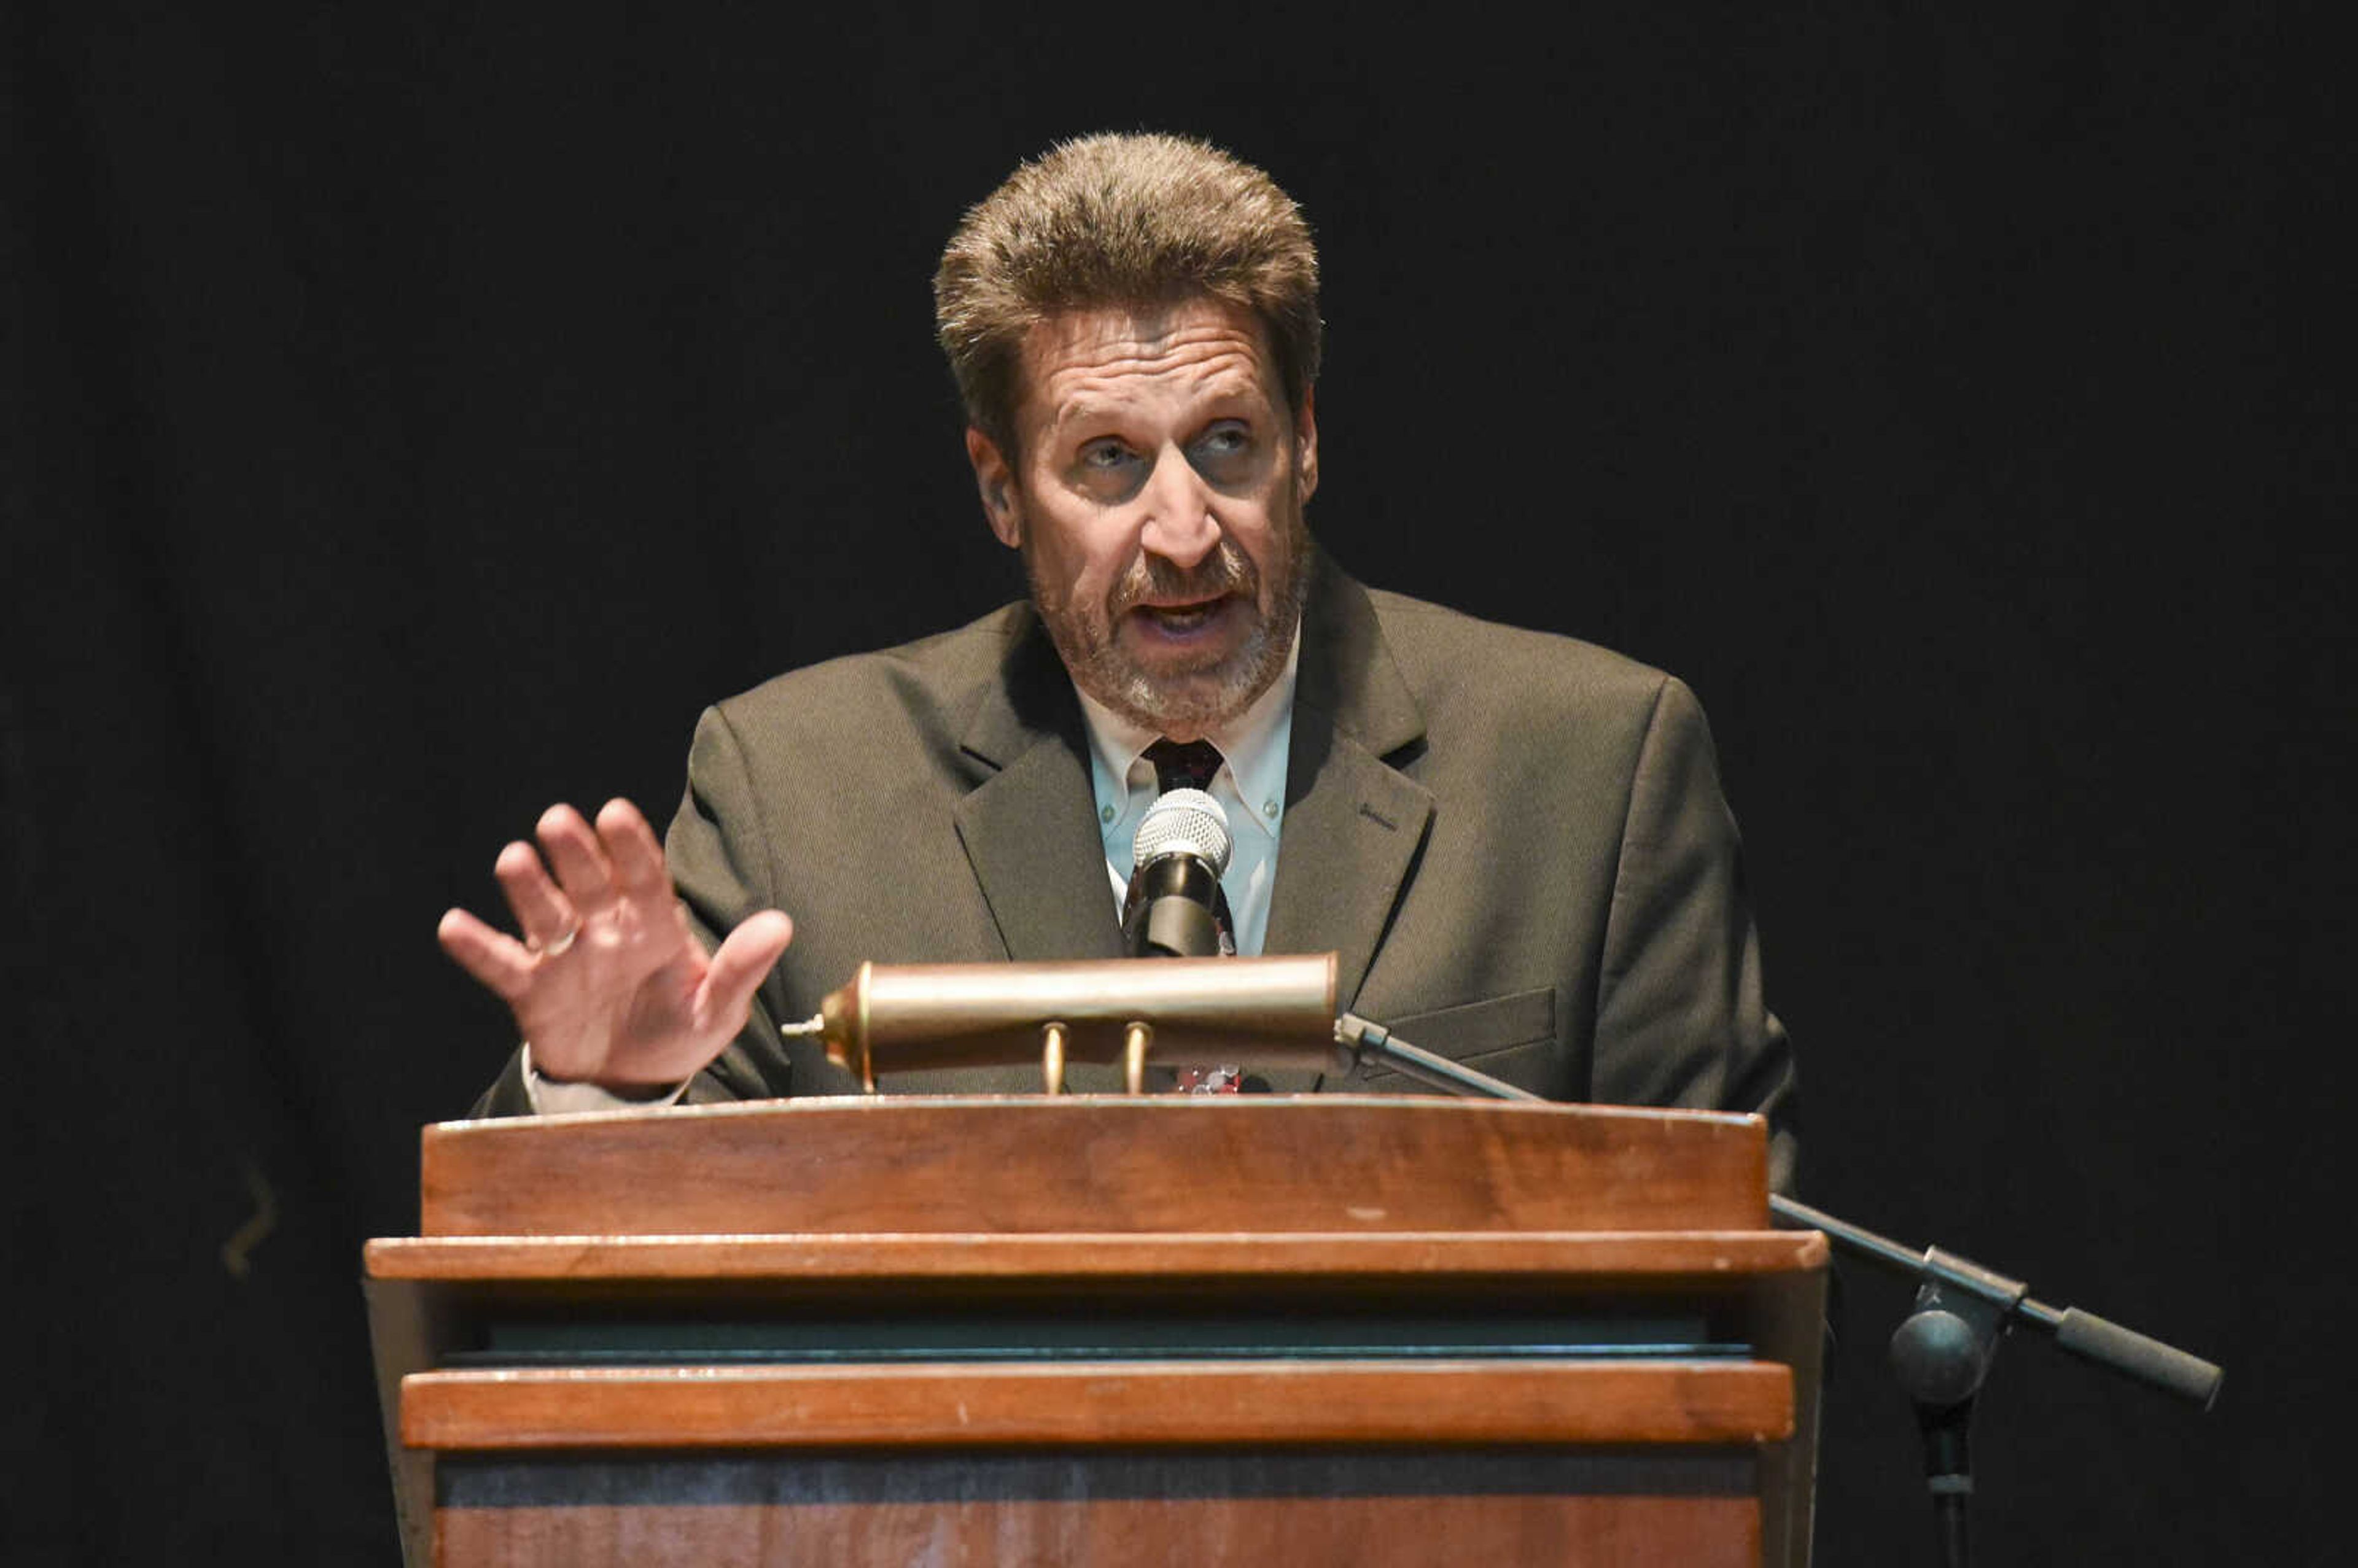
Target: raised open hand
column 608, row 982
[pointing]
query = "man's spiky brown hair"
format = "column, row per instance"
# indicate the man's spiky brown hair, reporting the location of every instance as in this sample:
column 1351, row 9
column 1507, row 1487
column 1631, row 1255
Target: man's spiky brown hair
column 1113, row 221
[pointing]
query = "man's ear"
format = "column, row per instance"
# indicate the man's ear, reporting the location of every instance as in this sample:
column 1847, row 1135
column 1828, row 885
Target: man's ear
column 995, row 479
column 1305, row 444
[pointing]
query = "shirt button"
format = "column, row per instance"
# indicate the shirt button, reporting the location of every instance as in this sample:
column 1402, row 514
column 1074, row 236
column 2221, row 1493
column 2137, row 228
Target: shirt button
column 1105, row 813
column 1268, row 809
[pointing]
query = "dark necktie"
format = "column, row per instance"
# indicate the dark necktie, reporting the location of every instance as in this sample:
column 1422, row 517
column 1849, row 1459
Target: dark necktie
column 1191, row 766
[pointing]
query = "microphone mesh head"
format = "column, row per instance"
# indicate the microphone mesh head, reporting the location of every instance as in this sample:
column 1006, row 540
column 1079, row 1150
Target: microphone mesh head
column 1185, row 819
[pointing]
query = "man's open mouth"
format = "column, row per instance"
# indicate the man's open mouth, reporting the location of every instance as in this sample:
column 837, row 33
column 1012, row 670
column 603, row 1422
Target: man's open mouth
column 1178, row 620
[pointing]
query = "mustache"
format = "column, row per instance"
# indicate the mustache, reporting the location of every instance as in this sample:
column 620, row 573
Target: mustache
column 1226, row 571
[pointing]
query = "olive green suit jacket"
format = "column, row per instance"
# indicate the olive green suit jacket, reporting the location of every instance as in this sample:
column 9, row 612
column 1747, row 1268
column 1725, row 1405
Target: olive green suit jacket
column 1516, row 844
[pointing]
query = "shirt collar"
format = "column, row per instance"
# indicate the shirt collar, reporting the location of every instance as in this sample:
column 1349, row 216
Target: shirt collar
column 1253, row 744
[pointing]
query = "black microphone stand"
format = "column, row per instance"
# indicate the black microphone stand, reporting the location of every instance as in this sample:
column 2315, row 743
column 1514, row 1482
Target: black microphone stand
column 1942, row 1351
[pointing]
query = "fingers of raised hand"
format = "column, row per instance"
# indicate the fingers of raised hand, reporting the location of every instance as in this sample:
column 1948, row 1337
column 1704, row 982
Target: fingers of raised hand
column 611, row 879
column 499, row 962
column 633, row 854
column 543, row 914
column 578, row 858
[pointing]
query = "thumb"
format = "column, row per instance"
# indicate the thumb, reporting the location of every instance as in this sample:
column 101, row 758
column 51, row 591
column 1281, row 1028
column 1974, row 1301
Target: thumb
column 739, row 965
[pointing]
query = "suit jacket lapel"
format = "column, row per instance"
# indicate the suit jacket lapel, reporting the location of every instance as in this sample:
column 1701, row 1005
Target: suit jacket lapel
column 1354, row 824
column 1030, row 827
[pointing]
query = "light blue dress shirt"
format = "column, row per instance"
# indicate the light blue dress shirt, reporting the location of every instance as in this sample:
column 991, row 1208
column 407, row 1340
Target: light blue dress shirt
column 1250, row 786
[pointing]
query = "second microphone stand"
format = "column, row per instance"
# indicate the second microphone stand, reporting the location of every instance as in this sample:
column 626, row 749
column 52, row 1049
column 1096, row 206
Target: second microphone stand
column 1941, row 1352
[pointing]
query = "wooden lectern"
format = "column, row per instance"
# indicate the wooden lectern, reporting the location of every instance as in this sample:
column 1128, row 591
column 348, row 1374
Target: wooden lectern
column 1255, row 1329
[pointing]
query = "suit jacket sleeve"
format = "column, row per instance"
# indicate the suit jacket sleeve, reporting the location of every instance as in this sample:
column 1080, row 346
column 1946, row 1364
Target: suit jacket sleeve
column 1681, row 1019
column 720, row 848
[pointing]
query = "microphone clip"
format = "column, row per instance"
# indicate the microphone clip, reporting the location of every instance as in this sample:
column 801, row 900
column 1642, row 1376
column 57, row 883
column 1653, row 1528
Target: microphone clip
column 1168, row 912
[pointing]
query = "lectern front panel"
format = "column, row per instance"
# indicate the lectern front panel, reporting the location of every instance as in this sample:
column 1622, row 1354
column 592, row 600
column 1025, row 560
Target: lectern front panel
column 1107, row 1509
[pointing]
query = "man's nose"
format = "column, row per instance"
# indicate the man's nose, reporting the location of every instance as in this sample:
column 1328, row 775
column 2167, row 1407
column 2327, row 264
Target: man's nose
column 1179, row 526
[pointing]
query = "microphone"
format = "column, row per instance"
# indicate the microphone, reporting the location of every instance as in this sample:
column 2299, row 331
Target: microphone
column 1181, row 847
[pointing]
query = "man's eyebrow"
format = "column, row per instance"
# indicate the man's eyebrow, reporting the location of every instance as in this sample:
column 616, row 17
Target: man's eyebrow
column 1083, row 411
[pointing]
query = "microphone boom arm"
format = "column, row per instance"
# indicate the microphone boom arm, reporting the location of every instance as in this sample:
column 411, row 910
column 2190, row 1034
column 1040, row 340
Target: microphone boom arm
column 2083, row 1334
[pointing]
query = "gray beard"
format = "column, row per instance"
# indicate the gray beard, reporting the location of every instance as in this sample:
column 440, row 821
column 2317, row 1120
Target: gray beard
column 1099, row 668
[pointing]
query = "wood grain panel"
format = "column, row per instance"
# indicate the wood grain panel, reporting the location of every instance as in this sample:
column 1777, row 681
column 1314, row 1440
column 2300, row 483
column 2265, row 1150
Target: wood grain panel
column 1638, row 1402
column 1366, row 1507
column 1031, row 1165
column 1605, row 1262
column 1295, row 1532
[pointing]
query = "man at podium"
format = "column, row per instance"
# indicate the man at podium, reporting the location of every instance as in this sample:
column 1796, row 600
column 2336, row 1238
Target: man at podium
column 1515, row 842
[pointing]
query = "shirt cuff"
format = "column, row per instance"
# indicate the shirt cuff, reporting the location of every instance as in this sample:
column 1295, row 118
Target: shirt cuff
column 551, row 1097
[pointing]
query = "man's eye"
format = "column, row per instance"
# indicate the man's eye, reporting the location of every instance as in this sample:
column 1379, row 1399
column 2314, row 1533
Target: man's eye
column 1223, row 453
column 1104, row 454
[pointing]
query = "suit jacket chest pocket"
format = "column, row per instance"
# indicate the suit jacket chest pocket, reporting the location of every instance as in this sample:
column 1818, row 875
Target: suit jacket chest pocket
column 1511, row 1037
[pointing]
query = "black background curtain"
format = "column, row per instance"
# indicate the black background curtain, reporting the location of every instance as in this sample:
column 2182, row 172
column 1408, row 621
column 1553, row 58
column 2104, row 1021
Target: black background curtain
column 416, row 414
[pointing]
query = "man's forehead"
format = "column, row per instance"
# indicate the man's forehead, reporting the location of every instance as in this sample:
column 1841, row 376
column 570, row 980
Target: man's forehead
column 1077, row 354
